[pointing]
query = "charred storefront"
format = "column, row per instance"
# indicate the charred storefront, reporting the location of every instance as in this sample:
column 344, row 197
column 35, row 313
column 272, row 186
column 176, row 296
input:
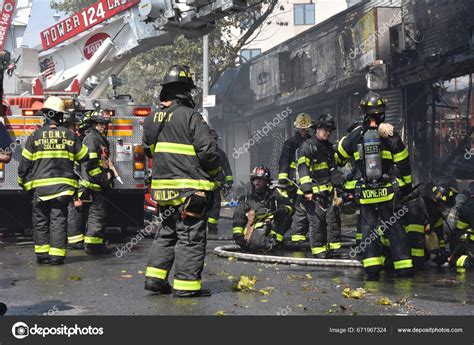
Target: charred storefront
column 422, row 70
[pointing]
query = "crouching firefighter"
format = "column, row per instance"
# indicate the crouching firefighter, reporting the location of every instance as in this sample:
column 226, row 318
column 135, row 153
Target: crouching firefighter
column 185, row 163
column 46, row 170
column 462, row 243
column 225, row 180
column 376, row 147
column 99, row 180
column 316, row 161
column 287, row 177
column 259, row 220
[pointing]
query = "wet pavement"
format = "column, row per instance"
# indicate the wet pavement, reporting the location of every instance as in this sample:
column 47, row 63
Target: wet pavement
column 111, row 285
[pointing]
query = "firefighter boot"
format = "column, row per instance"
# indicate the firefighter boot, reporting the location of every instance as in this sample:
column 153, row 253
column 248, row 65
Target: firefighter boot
column 57, row 260
column 338, row 254
column 97, row 249
column 43, row 258
column 194, row 293
column 156, row 285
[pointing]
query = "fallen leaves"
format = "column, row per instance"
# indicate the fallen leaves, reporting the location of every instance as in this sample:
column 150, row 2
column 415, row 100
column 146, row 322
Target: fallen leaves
column 245, row 284
column 74, row 278
column 384, row 301
column 357, row 293
column 266, row 291
column 220, row 313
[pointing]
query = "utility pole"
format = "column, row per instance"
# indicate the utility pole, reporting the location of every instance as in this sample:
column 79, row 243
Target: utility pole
column 205, row 74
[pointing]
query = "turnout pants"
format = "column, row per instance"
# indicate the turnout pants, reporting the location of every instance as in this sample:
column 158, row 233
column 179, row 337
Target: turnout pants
column 182, row 242
column 214, row 212
column 96, row 219
column 300, row 225
column 392, row 230
column 50, row 226
column 76, row 223
column 324, row 228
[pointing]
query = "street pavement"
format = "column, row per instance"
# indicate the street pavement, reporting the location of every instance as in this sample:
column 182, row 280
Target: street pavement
column 111, row 285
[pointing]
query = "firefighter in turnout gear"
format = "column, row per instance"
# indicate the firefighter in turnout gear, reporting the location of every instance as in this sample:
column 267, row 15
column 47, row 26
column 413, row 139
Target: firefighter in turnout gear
column 425, row 218
column 225, row 180
column 98, row 180
column 376, row 148
column 259, row 219
column 185, row 164
column 287, row 171
column 462, row 243
column 76, row 221
column 316, row 161
column 46, row 170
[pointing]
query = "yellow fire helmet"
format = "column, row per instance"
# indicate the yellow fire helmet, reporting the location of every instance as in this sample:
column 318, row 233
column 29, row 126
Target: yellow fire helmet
column 303, row 121
column 54, row 103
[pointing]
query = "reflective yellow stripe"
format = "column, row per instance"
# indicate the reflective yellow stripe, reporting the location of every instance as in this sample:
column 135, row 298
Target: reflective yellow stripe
column 297, row 238
column 95, row 172
column 101, row 164
column 229, row 178
column 350, row 184
column 303, row 160
column 53, row 154
column 51, row 182
column 237, row 230
column 172, row 202
column 397, row 157
column 305, row 179
column 386, row 154
column 282, row 193
column 461, row 225
column 377, row 200
column 42, row 249
column 403, row 264
column 417, row 252
column 439, row 223
column 376, row 261
column 93, row 240
column 335, row 245
column 278, row 236
column 27, row 154
column 321, row 166
column 318, row 250
column 75, row 239
column 20, row 180
column 183, row 184
column 81, row 154
column 341, row 149
column 407, row 179
column 212, row 220
column 322, row 188
column 356, row 155
column 154, row 272
column 258, row 225
column 358, row 236
column 460, row 262
column 290, row 209
column 188, row 285
column 415, row 228
column 282, row 176
column 182, row 149
column 293, row 165
column 93, row 155
column 57, row 252
column 94, row 187
column 56, row 195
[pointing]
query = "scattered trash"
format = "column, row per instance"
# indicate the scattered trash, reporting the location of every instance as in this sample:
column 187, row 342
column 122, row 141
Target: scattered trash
column 357, row 293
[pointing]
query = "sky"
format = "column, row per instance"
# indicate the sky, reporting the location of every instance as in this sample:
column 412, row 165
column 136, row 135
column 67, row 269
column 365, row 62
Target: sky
column 41, row 18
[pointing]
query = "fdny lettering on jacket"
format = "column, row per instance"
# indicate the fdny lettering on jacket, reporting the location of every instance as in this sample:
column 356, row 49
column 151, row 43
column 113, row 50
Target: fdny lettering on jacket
column 54, row 140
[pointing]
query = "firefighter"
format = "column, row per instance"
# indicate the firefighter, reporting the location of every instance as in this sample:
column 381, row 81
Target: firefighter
column 462, row 243
column 376, row 148
column 46, row 170
column 225, row 180
column 425, row 217
column 76, row 222
column 98, row 181
column 185, row 164
column 287, row 175
column 5, row 144
column 259, row 219
column 316, row 161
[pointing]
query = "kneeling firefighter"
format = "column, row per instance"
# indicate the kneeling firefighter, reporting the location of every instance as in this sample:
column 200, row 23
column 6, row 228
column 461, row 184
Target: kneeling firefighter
column 259, row 220
column 46, row 170
column 316, row 161
column 185, row 164
column 462, row 243
column 99, row 178
column 376, row 147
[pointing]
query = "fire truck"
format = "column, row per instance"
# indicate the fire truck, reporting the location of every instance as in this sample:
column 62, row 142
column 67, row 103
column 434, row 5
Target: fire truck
column 97, row 41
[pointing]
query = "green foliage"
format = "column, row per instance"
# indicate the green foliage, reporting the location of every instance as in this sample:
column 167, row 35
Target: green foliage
column 143, row 73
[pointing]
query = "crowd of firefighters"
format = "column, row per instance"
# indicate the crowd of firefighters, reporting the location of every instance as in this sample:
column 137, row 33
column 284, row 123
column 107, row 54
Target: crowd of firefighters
column 66, row 167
